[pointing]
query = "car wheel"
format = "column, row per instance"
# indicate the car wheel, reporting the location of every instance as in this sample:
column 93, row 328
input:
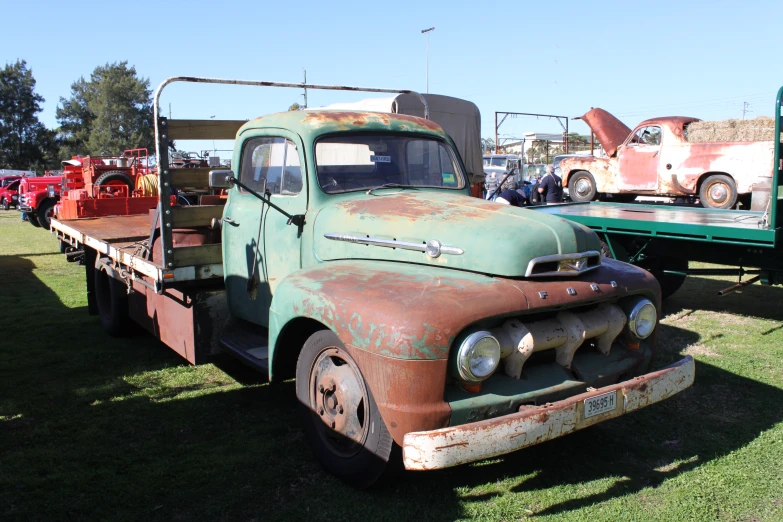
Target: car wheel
column 32, row 219
column 581, row 186
column 341, row 419
column 718, row 191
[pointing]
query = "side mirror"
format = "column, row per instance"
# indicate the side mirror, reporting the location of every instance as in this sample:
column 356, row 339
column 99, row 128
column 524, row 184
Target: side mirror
column 220, row 179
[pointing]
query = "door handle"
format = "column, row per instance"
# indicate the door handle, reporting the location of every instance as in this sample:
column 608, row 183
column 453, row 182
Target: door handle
column 230, row 221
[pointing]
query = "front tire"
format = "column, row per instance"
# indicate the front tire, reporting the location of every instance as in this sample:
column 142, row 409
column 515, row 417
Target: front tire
column 581, row 186
column 718, row 191
column 45, row 213
column 32, row 219
column 341, row 420
column 6, row 205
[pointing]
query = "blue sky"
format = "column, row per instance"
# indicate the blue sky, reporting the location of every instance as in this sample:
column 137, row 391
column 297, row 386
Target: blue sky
column 636, row 59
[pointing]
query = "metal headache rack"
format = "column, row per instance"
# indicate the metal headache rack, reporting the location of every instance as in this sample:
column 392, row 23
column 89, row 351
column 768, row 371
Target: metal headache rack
column 191, row 262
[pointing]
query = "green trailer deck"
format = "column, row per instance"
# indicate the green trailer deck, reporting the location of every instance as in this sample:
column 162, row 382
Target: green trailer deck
column 664, row 238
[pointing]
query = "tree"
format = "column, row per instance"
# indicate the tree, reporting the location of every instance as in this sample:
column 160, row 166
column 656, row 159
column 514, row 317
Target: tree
column 107, row 114
column 487, row 144
column 295, row 107
column 24, row 141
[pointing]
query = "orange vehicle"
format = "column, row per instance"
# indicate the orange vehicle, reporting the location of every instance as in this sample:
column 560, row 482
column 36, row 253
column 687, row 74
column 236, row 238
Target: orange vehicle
column 107, row 185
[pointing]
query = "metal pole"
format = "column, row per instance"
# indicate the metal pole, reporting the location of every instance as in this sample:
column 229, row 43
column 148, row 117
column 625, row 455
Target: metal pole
column 427, row 32
column 496, row 132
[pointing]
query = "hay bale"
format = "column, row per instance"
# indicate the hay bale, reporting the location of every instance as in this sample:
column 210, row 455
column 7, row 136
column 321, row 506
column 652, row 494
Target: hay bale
column 757, row 129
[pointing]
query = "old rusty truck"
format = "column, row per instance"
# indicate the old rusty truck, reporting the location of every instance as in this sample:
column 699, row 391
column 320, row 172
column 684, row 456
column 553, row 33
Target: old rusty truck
column 350, row 256
column 656, row 159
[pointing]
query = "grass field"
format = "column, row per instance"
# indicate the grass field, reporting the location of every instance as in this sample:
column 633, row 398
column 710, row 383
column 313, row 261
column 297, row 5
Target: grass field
column 93, row 428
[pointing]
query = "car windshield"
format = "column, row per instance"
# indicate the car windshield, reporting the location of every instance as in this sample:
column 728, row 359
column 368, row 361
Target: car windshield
column 361, row 162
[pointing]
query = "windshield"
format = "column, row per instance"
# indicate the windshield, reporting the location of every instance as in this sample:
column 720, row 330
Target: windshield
column 361, row 162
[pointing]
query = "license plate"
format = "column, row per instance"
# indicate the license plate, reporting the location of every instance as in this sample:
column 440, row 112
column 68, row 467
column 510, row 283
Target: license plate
column 600, row 404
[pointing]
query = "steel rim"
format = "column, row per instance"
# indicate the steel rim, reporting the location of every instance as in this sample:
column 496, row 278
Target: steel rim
column 338, row 397
column 718, row 193
column 582, row 186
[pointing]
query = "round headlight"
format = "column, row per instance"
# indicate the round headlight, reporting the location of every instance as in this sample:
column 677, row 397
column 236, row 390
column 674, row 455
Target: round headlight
column 642, row 319
column 478, row 356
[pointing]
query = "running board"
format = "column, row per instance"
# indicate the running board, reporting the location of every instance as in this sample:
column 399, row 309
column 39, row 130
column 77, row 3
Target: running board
column 247, row 346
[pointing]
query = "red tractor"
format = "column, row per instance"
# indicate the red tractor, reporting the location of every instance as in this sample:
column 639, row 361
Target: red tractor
column 108, row 185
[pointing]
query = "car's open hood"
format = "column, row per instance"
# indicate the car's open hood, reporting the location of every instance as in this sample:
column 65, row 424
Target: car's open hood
column 610, row 132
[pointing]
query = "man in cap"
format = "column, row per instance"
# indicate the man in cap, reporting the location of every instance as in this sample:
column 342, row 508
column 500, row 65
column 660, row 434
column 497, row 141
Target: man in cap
column 551, row 187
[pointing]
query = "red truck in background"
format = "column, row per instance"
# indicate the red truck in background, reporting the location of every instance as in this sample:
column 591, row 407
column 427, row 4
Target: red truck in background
column 660, row 158
column 37, row 197
column 9, row 191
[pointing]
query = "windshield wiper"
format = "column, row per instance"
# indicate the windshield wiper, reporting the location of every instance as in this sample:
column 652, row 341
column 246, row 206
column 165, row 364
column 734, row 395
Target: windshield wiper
column 390, row 185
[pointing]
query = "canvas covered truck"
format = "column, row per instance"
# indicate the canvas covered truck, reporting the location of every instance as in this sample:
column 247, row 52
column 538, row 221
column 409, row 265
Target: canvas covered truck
column 350, row 256
column 660, row 158
column 665, row 239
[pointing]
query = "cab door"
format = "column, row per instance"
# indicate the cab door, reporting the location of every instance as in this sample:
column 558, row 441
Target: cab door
column 639, row 160
column 259, row 248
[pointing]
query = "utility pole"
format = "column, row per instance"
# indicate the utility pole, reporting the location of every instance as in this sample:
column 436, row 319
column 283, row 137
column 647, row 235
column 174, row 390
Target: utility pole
column 304, row 82
column 745, row 109
column 427, row 32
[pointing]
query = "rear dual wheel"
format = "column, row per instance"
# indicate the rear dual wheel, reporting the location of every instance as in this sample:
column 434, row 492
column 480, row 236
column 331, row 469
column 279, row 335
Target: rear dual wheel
column 341, row 420
column 111, row 298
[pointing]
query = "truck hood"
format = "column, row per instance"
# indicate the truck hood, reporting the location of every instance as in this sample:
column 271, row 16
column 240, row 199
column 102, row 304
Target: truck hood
column 610, row 132
column 468, row 233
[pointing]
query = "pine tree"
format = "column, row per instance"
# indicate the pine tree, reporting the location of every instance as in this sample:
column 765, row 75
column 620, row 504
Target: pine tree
column 107, row 114
column 25, row 143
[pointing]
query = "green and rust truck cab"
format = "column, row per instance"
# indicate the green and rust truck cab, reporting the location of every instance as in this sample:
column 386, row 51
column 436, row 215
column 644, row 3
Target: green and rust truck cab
column 413, row 314
column 352, row 258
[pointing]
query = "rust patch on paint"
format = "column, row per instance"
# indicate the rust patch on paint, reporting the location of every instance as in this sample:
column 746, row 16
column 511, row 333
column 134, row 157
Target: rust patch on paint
column 412, row 207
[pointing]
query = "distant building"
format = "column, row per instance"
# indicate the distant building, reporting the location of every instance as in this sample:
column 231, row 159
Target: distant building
column 555, row 145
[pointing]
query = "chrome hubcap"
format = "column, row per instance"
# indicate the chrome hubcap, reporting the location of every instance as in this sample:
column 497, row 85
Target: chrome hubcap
column 582, row 187
column 718, row 193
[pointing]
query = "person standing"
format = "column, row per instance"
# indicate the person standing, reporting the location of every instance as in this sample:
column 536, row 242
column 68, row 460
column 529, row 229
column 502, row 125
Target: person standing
column 551, row 187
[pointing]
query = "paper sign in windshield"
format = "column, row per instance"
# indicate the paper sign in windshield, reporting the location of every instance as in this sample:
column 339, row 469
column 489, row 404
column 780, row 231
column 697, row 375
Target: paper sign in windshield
column 380, row 159
column 448, row 179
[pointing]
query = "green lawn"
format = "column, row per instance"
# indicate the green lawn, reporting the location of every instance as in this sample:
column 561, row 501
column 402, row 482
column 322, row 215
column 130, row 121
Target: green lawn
column 94, row 428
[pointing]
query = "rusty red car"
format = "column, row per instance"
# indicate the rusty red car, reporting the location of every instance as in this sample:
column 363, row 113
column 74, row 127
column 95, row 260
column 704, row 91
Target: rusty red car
column 656, row 159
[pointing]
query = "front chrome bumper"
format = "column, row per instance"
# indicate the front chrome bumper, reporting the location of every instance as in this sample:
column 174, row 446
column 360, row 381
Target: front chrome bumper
column 457, row 445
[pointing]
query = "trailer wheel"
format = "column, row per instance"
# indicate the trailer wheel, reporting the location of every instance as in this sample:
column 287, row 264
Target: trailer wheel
column 718, row 191
column 112, row 301
column 581, row 186
column 32, row 219
column 341, row 420
column 45, row 213
column 114, row 177
column 658, row 266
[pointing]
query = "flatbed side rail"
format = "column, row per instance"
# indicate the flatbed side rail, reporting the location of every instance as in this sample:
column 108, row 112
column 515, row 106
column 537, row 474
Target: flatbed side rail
column 775, row 216
column 168, row 130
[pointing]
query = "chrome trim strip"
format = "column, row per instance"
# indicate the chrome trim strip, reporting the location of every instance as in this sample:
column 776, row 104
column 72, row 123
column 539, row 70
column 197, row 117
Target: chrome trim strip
column 562, row 257
column 434, row 251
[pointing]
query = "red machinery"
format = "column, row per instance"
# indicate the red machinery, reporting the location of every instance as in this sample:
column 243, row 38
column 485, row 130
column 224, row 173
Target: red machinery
column 106, row 185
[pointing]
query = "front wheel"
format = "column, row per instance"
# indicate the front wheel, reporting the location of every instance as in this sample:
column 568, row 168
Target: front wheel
column 46, row 213
column 6, row 205
column 32, row 219
column 341, row 420
column 581, row 186
column 718, row 191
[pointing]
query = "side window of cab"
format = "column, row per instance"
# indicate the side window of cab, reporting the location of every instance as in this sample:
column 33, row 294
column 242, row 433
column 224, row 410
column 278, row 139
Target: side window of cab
column 271, row 165
column 646, row 136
